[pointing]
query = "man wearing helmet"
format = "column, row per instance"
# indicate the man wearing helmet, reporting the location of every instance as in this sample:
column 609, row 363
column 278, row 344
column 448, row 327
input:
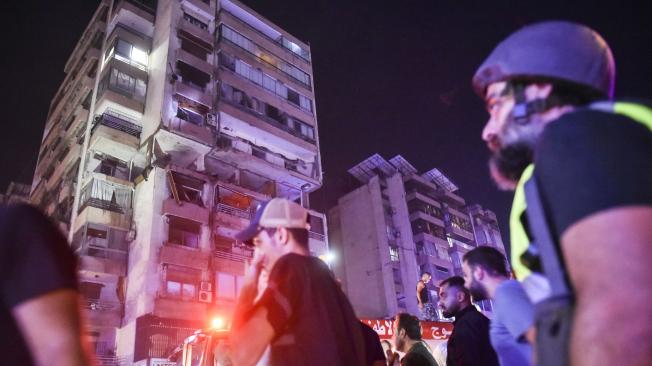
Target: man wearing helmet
column 590, row 162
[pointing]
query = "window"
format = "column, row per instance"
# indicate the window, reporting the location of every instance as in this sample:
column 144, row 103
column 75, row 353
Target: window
column 188, row 188
column 194, row 21
column 393, row 254
column 190, row 116
column 126, row 52
column 293, row 97
column 184, row 232
column 125, row 84
column 193, row 48
column 181, row 282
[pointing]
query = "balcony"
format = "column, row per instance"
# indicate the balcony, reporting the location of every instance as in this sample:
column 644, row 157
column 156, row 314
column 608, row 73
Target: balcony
column 115, row 135
column 110, row 96
column 197, row 133
column 202, row 35
column 425, row 236
column 193, row 92
column 185, row 210
column 137, row 14
column 202, row 7
column 248, row 156
column 183, row 256
column 230, row 260
column 416, row 215
column 103, row 202
column 176, row 308
column 194, row 61
column 95, row 256
column 103, row 313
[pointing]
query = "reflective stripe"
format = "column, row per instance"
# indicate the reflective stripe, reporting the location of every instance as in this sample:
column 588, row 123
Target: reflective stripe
column 637, row 112
column 518, row 237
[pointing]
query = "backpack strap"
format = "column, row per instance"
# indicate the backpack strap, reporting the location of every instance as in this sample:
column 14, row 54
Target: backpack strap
column 549, row 253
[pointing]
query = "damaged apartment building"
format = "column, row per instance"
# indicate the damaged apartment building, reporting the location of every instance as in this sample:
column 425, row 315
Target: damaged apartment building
column 175, row 119
column 398, row 224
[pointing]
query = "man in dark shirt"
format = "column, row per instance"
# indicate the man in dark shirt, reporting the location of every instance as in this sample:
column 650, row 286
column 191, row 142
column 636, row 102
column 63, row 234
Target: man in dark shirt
column 302, row 313
column 423, row 298
column 407, row 338
column 469, row 343
column 39, row 312
column 549, row 88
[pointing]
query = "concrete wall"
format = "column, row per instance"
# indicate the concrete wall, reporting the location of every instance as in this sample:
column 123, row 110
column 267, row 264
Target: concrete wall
column 365, row 254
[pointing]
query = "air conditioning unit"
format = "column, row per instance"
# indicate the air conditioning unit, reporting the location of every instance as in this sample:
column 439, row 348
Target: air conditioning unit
column 211, row 120
column 205, row 286
column 205, row 296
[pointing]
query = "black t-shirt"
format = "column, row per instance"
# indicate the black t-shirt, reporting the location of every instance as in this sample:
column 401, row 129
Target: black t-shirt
column 34, row 260
column 373, row 348
column 418, row 355
column 313, row 321
column 469, row 343
column 589, row 161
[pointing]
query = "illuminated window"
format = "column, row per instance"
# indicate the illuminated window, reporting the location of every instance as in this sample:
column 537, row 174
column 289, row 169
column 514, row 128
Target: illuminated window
column 139, row 56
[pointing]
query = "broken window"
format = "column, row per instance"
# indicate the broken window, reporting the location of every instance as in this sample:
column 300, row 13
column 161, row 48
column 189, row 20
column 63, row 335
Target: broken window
column 192, row 76
column 186, row 188
column 184, row 232
column 191, row 116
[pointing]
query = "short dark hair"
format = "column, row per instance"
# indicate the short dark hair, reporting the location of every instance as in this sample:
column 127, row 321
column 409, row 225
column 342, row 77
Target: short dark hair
column 458, row 283
column 410, row 323
column 300, row 235
column 563, row 92
column 488, row 258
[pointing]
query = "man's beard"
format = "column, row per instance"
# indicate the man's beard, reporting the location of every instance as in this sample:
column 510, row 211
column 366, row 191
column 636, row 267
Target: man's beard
column 508, row 163
column 478, row 292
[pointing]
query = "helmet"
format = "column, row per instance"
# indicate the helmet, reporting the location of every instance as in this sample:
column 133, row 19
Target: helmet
column 559, row 50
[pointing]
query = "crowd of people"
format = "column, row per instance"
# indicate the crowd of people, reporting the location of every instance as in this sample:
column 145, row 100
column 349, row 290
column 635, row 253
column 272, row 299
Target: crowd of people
column 584, row 210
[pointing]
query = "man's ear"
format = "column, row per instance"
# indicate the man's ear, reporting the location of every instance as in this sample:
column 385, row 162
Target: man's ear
column 478, row 273
column 283, row 235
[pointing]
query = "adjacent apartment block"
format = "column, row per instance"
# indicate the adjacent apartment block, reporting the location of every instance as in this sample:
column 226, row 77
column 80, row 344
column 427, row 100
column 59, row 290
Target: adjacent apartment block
column 175, row 119
column 398, row 224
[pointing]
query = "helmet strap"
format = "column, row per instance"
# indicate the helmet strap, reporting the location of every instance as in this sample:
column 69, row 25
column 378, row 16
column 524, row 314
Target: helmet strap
column 523, row 109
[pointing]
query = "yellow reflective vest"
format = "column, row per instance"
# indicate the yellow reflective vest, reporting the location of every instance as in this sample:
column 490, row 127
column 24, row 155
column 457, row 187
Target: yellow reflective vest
column 518, row 235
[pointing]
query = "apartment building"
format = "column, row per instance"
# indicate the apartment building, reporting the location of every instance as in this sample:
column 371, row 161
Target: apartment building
column 397, row 225
column 15, row 193
column 175, row 119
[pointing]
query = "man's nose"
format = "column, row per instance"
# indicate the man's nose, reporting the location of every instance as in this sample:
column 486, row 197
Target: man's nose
column 489, row 131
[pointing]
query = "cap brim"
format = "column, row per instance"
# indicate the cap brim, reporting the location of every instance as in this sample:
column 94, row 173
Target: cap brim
column 247, row 234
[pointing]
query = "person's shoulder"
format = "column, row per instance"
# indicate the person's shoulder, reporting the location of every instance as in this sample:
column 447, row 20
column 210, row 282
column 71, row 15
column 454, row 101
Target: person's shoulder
column 588, row 123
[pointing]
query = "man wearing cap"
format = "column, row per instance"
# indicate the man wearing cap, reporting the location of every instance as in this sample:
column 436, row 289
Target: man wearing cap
column 302, row 314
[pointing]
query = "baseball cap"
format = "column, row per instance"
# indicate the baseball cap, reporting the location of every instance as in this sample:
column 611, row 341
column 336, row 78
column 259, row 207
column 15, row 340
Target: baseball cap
column 277, row 212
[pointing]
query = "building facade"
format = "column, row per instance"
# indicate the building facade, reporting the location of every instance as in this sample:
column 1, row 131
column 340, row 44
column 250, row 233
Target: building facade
column 176, row 118
column 15, row 193
column 397, row 225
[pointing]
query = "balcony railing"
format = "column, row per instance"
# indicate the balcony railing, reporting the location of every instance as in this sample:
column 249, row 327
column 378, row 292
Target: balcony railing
column 105, row 195
column 225, row 142
column 229, row 254
column 233, row 211
column 94, row 248
column 118, row 122
column 102, row 305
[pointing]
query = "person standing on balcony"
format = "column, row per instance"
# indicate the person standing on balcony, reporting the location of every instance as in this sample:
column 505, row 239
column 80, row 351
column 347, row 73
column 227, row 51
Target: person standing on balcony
column 302, row 314
column 39, row 302
column 426, row 307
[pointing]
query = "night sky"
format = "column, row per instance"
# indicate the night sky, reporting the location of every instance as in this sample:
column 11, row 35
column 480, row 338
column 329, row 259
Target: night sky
column 390, row 77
